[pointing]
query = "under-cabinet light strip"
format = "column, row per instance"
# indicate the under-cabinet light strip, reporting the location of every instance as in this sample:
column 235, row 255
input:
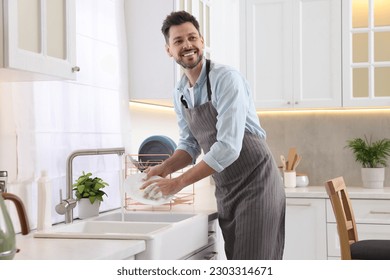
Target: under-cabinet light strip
column 141, row 105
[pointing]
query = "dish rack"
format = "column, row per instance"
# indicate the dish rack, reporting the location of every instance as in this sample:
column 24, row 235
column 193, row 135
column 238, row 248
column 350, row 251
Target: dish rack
column 137, row 163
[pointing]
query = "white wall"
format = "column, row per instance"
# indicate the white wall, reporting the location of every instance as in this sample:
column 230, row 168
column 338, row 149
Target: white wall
column 43, row 122
column 149, row 120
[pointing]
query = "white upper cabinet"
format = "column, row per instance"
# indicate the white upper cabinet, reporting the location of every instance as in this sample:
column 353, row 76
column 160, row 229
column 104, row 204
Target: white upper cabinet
column 151, row 70
column 366, row 53
column 153, row 74
column 291, row 52
column 38, row 40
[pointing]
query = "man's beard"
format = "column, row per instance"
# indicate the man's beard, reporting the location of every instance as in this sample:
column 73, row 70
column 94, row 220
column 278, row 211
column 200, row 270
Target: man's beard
column 192, row 65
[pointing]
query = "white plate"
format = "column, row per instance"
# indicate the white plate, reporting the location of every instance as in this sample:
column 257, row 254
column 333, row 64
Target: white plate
column 132, row 186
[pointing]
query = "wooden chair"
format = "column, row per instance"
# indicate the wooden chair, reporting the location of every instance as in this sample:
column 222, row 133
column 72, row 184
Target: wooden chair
column 350, row 246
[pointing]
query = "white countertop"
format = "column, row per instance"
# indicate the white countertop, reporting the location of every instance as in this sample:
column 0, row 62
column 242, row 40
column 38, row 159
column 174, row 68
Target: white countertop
column 204, row 201
column 32, row 248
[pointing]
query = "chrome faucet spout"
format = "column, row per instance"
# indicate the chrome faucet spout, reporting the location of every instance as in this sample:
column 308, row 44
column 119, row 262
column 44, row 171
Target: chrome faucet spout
column 69, row 203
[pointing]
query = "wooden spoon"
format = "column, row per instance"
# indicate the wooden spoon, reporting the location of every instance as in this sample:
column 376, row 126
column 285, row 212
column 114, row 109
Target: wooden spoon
column 290, row 158
column 283, row 159
column 297, row 160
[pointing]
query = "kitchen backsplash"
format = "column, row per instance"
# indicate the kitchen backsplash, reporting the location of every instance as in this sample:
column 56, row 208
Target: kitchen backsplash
column 321, row 139
column 319, row 136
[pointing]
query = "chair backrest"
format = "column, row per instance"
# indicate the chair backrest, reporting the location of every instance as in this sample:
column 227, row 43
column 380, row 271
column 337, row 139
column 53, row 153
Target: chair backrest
column 345, row 219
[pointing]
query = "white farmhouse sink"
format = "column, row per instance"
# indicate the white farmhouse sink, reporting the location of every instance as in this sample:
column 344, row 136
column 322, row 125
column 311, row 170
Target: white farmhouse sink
column 105, row 230
column 167, row 235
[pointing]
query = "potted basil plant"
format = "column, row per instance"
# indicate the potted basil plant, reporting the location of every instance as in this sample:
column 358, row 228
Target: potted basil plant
column 89, row 194
column 373, row 156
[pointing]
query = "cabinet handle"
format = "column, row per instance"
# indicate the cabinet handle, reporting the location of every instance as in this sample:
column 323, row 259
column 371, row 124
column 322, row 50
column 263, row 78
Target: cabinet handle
column 299, row 204
column 379, row 212
column 75, row 69
column 296, row 102
column 211, row 256
column 288, row 103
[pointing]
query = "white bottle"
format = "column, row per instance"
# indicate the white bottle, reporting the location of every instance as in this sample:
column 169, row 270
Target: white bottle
column 44, row 202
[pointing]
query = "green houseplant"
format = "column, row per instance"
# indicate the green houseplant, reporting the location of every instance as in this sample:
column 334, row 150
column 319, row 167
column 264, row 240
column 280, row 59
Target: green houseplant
column 373, row 156
column 89, row 194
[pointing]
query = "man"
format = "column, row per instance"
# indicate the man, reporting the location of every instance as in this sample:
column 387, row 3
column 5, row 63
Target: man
column 216, row 113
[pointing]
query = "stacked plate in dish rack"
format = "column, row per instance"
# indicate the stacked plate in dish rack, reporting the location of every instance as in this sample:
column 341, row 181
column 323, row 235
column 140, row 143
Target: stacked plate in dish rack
column 154, row 150
column 133, row 184
column 161, row 147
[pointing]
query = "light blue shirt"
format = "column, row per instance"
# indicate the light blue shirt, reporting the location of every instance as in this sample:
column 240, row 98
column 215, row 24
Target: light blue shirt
column 232, row 98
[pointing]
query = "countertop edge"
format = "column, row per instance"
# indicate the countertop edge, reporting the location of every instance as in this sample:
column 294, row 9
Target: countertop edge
column 354, row 192
column 32, row 248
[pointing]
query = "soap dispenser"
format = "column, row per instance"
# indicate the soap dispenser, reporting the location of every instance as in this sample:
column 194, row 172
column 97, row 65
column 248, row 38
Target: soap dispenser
column 44, row 202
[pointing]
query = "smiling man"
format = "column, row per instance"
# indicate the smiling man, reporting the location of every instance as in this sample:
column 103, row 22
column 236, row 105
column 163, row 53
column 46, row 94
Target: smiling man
column 187, row 46
column 216, row 115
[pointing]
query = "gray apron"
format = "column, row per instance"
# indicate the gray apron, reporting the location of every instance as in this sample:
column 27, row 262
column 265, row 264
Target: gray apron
column 250, row 196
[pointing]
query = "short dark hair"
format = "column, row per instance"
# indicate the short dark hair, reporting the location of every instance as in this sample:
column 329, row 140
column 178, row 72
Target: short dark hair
column 177, row 18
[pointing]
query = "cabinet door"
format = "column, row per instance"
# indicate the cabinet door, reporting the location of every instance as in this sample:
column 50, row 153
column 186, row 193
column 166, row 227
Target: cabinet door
column 151, row 71
column 305, row 229
column 366, row 53
column 372, row 222
column 317, row 54
column 365, row 231
column 293, row 52
column 220, row 243
column 269, row 55
column 40, row 37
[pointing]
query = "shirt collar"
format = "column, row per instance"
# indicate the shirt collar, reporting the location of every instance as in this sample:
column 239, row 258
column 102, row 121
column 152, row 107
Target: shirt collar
column 183, row 83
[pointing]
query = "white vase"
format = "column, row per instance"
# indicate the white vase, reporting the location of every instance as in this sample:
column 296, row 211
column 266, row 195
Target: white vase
column 88, row 210
column 373, row 178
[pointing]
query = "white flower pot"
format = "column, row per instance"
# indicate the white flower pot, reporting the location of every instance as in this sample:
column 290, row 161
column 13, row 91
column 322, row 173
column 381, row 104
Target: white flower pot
column 373, row 178
column 88, row 210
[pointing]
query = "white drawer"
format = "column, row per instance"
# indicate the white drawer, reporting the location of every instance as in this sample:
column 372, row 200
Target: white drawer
column 365, row 231
column 366, row 211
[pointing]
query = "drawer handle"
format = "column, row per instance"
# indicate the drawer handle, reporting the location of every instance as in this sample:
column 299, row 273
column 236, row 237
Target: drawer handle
column 211, row 256
column 299, row 204
column 380, row 212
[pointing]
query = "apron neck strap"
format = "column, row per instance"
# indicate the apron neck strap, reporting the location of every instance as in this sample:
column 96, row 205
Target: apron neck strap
column 184, row 102
column 208, row 79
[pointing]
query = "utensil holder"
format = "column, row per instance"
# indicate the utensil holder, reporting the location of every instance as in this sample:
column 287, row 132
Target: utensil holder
column 290, row 179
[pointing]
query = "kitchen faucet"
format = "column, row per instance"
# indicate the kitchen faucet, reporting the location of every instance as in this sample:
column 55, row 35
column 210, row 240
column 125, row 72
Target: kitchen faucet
column 66, row 206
